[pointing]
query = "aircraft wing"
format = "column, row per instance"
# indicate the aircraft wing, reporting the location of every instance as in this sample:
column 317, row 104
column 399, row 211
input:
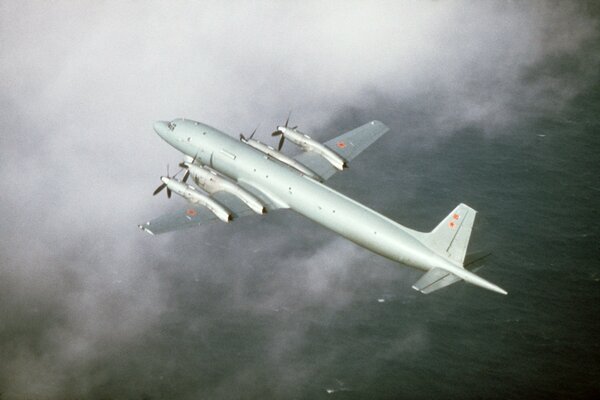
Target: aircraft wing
column 347, row 145
column 191, row 215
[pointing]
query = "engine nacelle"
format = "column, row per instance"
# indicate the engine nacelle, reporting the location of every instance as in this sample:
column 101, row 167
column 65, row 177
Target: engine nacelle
column 198, row 198
column 212, row 182
column 190, row 194
column 307, row 144
column 271, row 152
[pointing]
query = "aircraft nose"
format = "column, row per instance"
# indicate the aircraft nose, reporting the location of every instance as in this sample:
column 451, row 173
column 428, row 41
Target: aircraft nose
column 162, row 128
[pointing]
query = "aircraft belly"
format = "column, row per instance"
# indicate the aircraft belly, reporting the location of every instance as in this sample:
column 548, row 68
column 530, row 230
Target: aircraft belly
column 342, row 215
column 357, row 223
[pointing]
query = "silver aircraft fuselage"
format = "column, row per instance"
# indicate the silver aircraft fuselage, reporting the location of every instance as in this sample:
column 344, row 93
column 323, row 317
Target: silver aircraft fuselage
column 288, row 188
column 302, row 194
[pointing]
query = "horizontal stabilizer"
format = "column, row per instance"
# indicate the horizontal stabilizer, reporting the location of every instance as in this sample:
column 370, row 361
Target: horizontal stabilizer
column 435, row 279
column 475, row 260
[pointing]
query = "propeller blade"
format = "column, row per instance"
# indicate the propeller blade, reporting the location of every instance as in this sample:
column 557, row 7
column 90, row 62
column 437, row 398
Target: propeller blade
column 281, row 143
column 158, row 189
column 168, row 176
column 242, row 138
column 185, row 177
column 288, row 118
column 168, row 193
column 254, row 131
column 277, row 133
column 182, row 165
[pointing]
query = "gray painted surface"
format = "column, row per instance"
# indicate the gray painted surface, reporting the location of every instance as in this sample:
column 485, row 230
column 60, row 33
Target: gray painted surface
column 289, row 188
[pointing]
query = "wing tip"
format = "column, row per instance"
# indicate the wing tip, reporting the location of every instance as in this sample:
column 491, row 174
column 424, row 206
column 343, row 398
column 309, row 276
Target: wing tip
column 376, row 122
column 145, row 229
column 417, row 289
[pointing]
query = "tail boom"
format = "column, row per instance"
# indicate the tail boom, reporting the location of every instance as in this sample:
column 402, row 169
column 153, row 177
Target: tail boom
column 473, row 279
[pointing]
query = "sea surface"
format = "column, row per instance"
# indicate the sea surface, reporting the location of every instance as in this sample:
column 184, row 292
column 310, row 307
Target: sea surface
column 536, row 188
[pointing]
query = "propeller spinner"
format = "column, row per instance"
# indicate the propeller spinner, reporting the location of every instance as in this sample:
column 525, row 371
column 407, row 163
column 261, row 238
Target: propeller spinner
column 279, row 132
column 165, row 179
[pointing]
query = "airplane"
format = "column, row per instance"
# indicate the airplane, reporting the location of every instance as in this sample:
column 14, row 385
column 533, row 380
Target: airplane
column 236, row 178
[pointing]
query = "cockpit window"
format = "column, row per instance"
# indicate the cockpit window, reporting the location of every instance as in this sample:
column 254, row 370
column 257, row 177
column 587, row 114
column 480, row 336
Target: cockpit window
column 172, row 126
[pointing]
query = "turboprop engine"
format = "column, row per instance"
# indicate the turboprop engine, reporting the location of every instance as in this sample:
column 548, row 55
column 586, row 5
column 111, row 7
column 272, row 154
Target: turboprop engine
column 307, row 144
column 279, row 156
column 212, row 182
column 193, row 196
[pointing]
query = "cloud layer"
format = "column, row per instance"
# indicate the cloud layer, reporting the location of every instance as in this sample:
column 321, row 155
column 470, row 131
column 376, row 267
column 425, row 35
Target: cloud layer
column 83, row 292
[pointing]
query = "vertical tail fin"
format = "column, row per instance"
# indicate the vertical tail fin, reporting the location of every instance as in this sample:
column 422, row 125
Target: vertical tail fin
column 450, row 238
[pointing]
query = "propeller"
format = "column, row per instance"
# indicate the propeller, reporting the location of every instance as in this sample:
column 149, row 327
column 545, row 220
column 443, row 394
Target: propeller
column 278, row 132
column 187, row 172
column 243, row 138
column 158, row 189
column 164, row 185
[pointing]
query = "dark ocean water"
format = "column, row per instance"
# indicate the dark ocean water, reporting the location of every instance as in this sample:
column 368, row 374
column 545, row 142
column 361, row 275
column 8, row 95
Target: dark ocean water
column 535, row 187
